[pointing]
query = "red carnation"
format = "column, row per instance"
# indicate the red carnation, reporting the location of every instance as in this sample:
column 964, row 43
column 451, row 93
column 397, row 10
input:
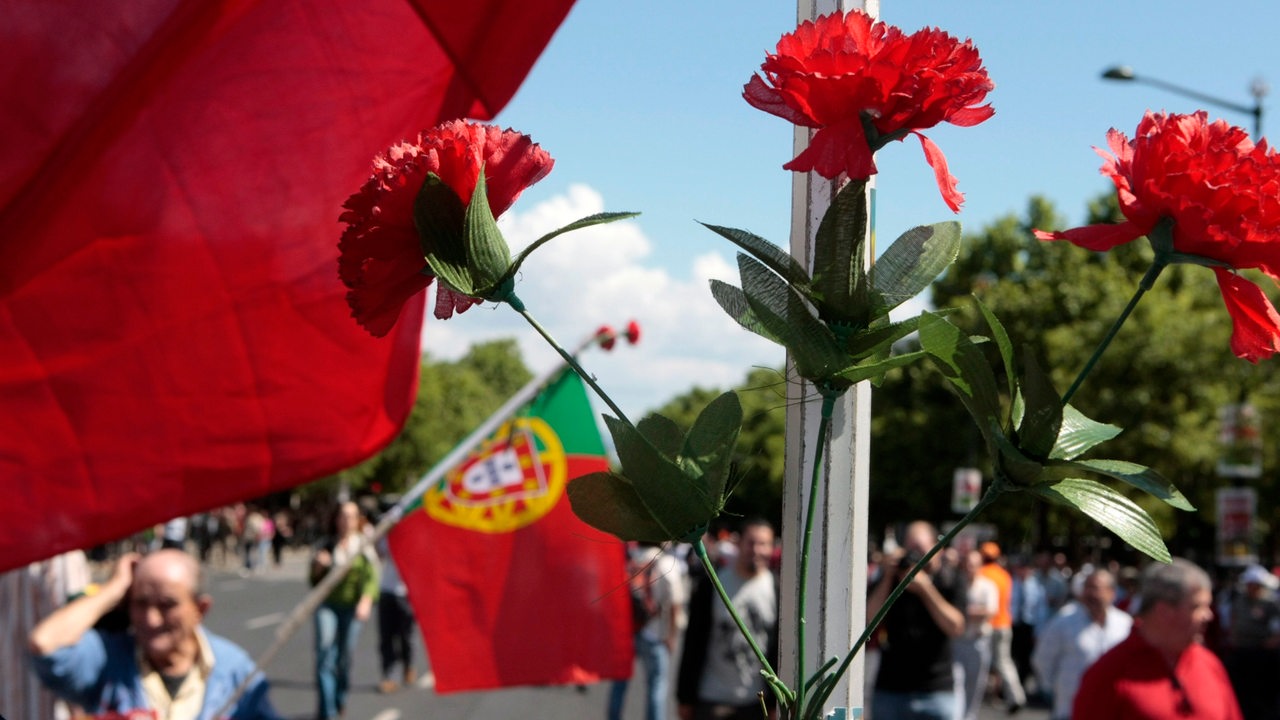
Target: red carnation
column 850, row 76
column 1222, row 193
column 381, row 253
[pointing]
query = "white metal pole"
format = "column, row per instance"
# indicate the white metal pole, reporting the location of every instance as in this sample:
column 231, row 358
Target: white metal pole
column 836, row 599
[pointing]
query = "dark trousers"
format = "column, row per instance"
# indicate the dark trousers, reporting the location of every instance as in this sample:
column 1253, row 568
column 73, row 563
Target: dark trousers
column 1253, row 673
column 395, row 632
column 1024, row 642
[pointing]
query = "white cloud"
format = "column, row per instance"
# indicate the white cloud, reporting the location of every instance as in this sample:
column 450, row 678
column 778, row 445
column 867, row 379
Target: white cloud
column 608, row 275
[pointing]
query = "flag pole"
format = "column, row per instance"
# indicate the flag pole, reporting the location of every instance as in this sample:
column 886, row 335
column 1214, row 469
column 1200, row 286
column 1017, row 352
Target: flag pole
column 395, row 514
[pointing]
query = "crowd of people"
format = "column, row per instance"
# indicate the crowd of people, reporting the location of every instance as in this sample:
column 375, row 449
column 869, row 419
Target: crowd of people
column 975, row 626
column 1087, row 641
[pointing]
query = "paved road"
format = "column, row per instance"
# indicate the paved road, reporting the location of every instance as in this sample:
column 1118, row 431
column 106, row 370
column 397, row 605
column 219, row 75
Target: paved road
column 248, row 610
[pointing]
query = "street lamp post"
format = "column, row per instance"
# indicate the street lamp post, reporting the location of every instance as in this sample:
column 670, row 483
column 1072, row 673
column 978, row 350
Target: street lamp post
column 1258, row 89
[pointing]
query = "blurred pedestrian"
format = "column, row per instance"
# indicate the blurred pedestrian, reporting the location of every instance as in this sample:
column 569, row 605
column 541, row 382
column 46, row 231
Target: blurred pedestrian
column 972, row 650
column 1076, row 637
column 658, row 605
column 915, row 678
column 164, row 662
column 395, row 625
column 1162, row 671
column 1002, row 629
column 719, row 673
column 28, row 595
column 1029, row 605
column 1252, row 656
column 338, row 620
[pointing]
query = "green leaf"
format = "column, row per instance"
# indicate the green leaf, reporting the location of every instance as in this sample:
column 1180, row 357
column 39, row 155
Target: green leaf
column 1139, row 476
column 711, row 441
column 861, row 344
column 1079, row 434
column 786, row 315
column 839, row 257
column 774, row 257
column 662, row 433
column 488, row 256
column 676, row 504
column 607, row 501
column 874, row 369
column 1112, row 510
column 440, row 218
column 965, row 367
column 734, row 302
column 1038, row 431
column 913, row 261
column 588, row 221
column 1004, row 345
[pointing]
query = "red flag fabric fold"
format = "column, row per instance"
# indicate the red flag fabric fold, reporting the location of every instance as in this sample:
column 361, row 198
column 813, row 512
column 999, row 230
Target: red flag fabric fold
column 173, row 335
column 509, row 587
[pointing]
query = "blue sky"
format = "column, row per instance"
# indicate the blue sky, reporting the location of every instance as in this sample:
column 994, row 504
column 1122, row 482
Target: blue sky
column 640, row 104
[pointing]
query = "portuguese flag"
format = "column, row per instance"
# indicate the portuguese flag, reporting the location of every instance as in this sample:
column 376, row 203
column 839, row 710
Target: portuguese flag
column 508, row 585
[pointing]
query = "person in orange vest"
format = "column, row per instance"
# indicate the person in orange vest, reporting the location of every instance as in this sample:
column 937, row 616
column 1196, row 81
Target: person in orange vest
column 1002, row 628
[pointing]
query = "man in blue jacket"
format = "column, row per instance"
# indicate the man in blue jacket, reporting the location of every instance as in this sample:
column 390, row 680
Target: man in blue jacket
column 164, row 662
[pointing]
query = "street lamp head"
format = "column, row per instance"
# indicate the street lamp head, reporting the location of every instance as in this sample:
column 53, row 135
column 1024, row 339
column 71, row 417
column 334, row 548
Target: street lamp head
column 1259, row 88
column 1119, row 72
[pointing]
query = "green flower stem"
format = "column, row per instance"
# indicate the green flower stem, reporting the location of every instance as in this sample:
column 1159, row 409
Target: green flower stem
column 997, row 488
column 828, row 405
column 784, row 693
column 1162, row 240
column 519, row 307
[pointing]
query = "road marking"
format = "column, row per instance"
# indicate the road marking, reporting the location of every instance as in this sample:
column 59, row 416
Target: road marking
column 427, row 681
column 264, row 621
column 388, row 714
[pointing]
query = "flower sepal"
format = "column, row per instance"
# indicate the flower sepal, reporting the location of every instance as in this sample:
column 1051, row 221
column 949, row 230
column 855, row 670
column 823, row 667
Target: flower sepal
column 461, row 242
column 671, row 485
column 835, row 323
column 464, row 246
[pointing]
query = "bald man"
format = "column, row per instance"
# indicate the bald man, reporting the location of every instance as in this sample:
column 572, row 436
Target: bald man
column 164, row 662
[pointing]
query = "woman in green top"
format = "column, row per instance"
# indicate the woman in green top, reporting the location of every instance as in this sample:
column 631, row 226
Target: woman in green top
column 339, row 618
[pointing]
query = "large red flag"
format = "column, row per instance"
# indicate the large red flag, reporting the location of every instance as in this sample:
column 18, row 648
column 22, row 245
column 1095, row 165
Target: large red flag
column 173, row 334
column 508, row 585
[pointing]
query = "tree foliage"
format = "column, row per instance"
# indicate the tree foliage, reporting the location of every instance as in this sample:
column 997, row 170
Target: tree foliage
column 454, row 397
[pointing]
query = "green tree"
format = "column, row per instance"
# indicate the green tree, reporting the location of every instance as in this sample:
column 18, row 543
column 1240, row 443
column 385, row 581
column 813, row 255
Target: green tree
column 454, row 397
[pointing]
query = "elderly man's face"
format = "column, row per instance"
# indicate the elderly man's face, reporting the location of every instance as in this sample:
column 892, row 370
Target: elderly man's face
column 1185, row 622
column 164, row 608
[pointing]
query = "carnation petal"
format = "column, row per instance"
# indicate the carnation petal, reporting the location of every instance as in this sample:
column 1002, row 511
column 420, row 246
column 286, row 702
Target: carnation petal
column 946, row 181
column 760, row 96
column 837, row 149
column 449, row 301
column 968, row 117
column 376, row 303
column 1256, row 333
column 1098, row 238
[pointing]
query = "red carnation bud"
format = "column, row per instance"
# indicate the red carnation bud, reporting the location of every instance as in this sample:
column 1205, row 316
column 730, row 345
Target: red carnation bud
column 607, row 337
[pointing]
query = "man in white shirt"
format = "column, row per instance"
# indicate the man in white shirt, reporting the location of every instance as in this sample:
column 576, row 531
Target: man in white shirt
column 719, row 675
column 1077, row 636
